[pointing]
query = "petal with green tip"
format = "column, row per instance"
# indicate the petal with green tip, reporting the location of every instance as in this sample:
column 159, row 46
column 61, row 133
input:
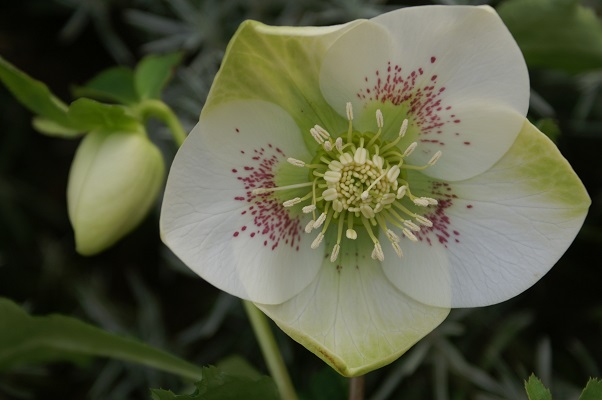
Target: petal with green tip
column 352, row 317
column 496, row 234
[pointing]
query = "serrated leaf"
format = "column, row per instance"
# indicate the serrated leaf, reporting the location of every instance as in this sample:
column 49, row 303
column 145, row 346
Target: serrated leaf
column 592, row 391
column 216, row 384
column 89, row 115
column 114, row 84
column 153, row 72
column 238, row 366
column 33, row 94
column 29, row 340
column 536, row 390
column 556, row 34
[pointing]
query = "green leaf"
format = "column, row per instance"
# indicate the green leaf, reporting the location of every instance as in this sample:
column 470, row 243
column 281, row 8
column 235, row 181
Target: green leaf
column 91, row 115
column 33, row 94
column 536, row 390
column 556, row 34
column 40, row 340
column 217, row 384
column 53, row 128
column 114, row 84
column 592, row 391
column 153, row 72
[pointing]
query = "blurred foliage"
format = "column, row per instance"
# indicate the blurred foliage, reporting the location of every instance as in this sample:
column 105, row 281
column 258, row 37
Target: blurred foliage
column 139, row 289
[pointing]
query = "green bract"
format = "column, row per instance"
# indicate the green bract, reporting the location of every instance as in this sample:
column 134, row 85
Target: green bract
column 114, row 180
column 356, row 182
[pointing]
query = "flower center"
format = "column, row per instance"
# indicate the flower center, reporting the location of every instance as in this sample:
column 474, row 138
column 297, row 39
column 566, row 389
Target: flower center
column 359, row 180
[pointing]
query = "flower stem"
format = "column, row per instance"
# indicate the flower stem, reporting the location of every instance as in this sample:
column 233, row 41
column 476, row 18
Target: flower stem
column 356, row 388
column 270, row 351
column 160, row 110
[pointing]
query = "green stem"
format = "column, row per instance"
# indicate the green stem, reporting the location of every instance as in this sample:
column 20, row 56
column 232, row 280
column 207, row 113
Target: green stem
column 160, row 110
column 270, row 351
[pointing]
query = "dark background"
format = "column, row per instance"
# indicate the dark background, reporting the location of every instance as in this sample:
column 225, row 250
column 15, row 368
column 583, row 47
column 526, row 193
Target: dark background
column 138, row 288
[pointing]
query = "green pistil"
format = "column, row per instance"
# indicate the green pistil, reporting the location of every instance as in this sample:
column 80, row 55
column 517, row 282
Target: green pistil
column 361, row 183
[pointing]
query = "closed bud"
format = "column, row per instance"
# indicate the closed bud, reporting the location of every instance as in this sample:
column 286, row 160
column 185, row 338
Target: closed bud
column 114, row 180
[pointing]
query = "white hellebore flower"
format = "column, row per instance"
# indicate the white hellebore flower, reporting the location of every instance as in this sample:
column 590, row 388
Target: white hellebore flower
column 357, row 181
column 113, row 182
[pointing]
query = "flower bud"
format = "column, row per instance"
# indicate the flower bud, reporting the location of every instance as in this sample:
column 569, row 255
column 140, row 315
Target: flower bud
column 114, row 180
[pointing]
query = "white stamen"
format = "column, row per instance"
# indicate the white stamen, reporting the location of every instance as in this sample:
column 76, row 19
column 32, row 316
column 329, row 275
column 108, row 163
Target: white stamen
column 365, row 195
column 393, row 173
column 435, row 158
column 408, row 233
column 316, row 135
column 323, row 132
column 379, row 118
column 421, row 201
column 431, row 201
column 412, row 226
column 378, row 161
column 378, row 207
column 327, row 146
column 332, row 176
column 367, row 211
column 310, row 226
column 260, row 191
column 335, row 252
column 351, row 234
column 360, row 156
column 388, row 198
column 317, row 241
column 292, row 202
column 320, row 220
column 330, row 194
column 337, row 205
column 424, row 221
column 404, row 128
column 392, row 236
column 397, row 249
column 295, row 162
column 378, row 252
column 349, row 110
column 401, row 192
column 410, row 149
column 335, row 165
column 309, row 208
column 339, row 143
column 346, row 159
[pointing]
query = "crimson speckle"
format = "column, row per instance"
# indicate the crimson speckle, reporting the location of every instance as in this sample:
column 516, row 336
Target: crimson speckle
column 425, row 105
column 445, row 196
column 467, row 143
column 469, row 206
column 270, row 218
column 237, row 130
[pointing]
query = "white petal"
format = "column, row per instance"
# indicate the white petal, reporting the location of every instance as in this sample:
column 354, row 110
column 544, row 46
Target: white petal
column 352, row 317
column 357, row 55
column 456, row 72
column 496, row 234
column 252, row 249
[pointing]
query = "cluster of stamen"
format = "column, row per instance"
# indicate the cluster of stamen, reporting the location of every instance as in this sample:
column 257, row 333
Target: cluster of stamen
column 360, row 181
